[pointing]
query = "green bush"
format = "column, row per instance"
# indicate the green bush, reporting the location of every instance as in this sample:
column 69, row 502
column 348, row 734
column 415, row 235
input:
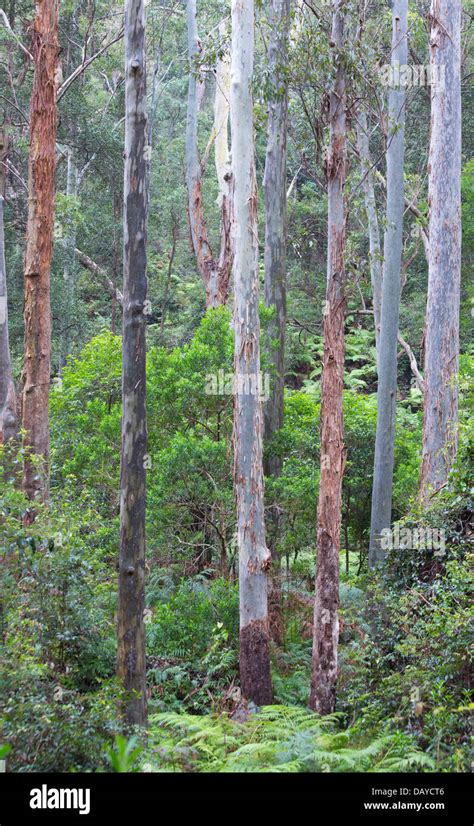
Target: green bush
column 277, row 739
column 182, row 627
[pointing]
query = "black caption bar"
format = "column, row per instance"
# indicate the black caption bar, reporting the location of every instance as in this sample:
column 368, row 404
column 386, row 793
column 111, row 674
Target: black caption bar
column 97, row 798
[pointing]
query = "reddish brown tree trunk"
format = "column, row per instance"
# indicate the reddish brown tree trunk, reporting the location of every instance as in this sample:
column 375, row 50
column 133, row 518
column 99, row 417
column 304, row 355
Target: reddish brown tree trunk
column 326, row 621
column 39, row 247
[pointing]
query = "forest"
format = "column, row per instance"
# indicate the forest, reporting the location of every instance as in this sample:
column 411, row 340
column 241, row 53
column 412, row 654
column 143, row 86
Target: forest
column 236, row 386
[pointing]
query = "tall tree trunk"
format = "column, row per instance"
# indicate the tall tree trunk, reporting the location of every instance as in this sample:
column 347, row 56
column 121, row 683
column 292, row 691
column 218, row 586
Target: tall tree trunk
column 224, row 174
column 254, row 557
column 118, row 217
column 333, row 453
column 363, row 144
column 275, row 216
column 7, row 387
column 131, row 631
column 70, row 255
column 215, row 273
column 8, row 424
column 381, row 516
column 442, row 313
column 39, row 246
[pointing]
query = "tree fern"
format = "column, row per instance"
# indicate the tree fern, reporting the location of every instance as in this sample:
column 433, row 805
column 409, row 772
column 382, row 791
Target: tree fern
column 276, row 739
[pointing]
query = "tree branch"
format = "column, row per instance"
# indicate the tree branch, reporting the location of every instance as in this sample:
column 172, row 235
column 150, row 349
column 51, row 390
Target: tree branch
column 413, row 364
column 94, row 268
column 84, row 65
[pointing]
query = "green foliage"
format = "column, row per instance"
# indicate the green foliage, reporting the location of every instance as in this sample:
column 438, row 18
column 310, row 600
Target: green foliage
column 124, row 755
column 85, row 414
column 276, row 739
column 406, row 661
column 182, row 626
column 58, row 635
column 298, row 444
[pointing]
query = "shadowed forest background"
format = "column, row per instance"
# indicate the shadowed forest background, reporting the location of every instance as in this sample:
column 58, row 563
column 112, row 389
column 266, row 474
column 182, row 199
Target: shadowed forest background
column 399, row 697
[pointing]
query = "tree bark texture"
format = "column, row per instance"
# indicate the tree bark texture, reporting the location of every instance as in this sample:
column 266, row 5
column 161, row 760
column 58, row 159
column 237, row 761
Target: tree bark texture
column 254, row 557
column 39, row 247
column 440, row 423
column 381, row 514
column 131, row 631
column 214, row 272
column 333, row 453
column 8, row 420
column 8, row 426
column 275, row 216
column 69, row 265
column 363, row 145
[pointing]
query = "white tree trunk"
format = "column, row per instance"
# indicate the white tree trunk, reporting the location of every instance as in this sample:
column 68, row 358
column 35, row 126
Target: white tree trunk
column 381, row 515
column 440, row 423
column 254, row 557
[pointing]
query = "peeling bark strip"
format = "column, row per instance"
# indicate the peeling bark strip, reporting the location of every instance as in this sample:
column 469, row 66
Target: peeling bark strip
column 215, row 273
column 381, row 515
column 131, row 631
column 254, row 557
column 440, row 423
column 39, row 246
column 275, row 215
column 333, row 454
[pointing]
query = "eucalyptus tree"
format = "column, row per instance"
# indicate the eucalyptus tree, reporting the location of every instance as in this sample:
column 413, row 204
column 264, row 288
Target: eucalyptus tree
column 275, row 187
column 254, row 557
column 131, row 631
column 7, row 385
column 215, row 272
column 375, row 252
column 440, row 421
column 333, row 453
column 72, row 180
column 381, row 513
column 39, row 247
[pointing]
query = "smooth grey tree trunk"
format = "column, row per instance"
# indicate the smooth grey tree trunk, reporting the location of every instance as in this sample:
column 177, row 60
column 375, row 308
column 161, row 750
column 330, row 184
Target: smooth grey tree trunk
column 381, row 515
column 254, row 557
column 131, row 631
column 8, row 417
column 68, row 271
column 363, row 145
column 7, row 387
column 333, row 452
column 375, row 247
column 440, row 425
column 275, row 216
